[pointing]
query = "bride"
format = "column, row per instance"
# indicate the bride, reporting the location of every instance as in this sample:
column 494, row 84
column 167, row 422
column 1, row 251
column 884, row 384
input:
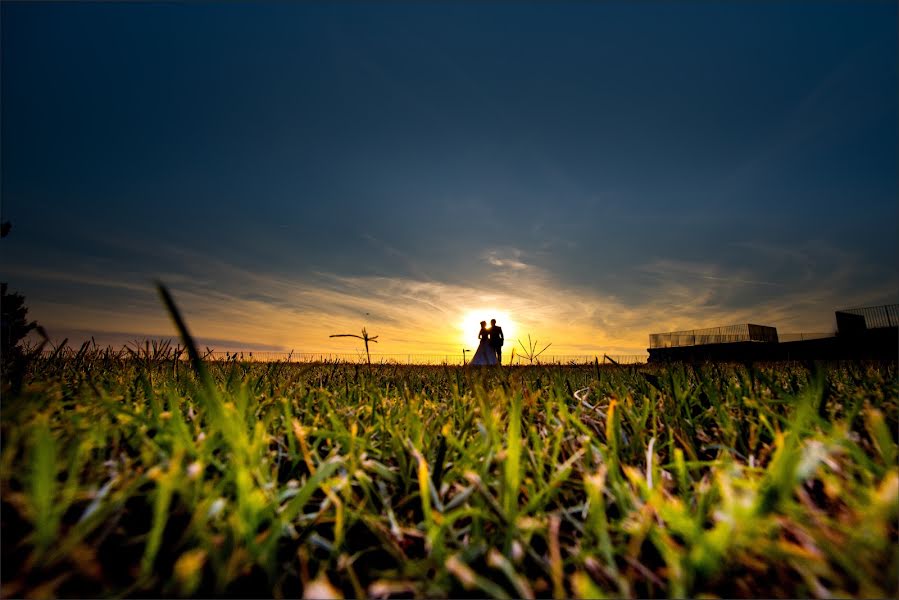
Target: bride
column 485, row 354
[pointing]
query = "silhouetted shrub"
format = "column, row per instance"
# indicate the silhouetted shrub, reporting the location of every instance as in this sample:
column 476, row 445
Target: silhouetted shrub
column 14, row 327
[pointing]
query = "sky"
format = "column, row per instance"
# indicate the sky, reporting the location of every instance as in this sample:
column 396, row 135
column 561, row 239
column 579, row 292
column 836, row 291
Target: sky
column 587, row 173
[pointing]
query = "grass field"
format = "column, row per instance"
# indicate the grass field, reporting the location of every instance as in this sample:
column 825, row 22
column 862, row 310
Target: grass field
column 151, row 476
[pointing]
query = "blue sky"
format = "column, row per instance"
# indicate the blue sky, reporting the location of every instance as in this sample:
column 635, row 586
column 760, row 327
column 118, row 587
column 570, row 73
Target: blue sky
column 593, row 172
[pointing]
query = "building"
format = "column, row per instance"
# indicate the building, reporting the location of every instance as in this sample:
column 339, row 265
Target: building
column 869, row 333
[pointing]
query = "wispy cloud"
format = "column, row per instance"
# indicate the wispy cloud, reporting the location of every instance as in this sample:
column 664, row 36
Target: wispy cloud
column 668, row 268
column 505, row 259
column 223, row 301
column 407, row 262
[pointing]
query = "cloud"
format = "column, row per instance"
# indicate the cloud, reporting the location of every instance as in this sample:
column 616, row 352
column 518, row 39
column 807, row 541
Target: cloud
column 505, row 260
column 225, row 302
column 404, row 260
column 708, row 271
column 815, row 278
column 85, row 276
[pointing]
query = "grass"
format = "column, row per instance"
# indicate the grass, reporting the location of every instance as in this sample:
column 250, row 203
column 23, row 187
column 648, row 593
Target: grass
column 136, row 476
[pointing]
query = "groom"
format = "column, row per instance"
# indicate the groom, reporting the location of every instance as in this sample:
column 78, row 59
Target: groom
column 496, row 340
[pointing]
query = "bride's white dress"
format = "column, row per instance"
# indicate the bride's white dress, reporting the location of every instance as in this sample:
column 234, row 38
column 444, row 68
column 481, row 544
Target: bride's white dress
column 484, row 354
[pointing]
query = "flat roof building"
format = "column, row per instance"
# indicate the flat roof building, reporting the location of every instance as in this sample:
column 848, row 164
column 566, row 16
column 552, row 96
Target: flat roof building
column 868, row 333
column 727, row 334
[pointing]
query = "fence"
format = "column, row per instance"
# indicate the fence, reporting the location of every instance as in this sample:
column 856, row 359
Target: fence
column 331, row 357
column 875, row 317
column 714, row 335
column 424, row 359
column 580, row 359
column 360, row 358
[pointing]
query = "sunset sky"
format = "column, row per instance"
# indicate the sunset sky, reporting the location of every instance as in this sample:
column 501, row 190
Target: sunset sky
column 585, row 172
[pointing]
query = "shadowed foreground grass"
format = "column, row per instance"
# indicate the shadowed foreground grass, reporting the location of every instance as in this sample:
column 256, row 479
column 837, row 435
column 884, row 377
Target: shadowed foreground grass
column 137, row 477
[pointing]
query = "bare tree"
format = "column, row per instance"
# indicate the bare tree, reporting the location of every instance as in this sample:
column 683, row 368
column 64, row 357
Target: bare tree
column 364, row 337
column 530, row 351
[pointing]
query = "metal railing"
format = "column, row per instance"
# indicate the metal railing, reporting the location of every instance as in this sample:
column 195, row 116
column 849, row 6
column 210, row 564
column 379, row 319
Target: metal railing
column 714, row 335
column 424, row 359
column 581, row 359
column 876, row 317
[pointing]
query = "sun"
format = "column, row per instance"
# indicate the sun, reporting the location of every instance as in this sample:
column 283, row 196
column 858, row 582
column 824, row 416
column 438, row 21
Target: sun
column 470, row 324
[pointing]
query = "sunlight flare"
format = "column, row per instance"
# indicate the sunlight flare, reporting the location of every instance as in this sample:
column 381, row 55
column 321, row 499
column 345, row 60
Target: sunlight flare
column 470, row 324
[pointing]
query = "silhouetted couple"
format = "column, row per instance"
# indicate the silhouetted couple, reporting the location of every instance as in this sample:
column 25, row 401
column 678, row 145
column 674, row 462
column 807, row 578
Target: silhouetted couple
column 490, row 350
